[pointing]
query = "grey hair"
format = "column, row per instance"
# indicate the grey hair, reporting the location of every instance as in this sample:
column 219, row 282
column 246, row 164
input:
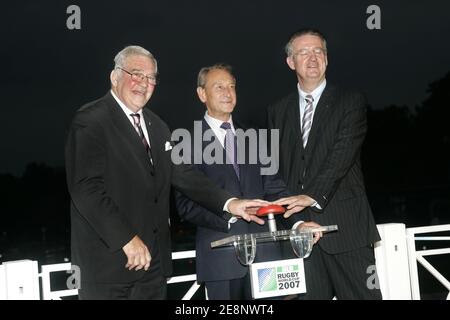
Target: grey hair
column 128, row 51
column 201, row 78
column 288, row 48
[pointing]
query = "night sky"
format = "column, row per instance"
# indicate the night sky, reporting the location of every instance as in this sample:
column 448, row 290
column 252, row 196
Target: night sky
column 48, row 71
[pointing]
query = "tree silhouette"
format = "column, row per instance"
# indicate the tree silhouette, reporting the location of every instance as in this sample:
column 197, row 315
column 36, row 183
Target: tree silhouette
column 434, row 133
column 406, row 159
column 36, row 212
column 387, row 146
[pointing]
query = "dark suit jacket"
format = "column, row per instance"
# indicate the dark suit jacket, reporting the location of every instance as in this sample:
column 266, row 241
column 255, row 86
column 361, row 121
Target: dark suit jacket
column 329, row 169
column 116, row 193
column 221, row 263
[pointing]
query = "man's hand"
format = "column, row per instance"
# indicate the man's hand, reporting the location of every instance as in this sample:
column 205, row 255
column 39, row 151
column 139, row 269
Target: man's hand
column 137, row 253
column 246, row 209
column 295, row 204
column 310, row 225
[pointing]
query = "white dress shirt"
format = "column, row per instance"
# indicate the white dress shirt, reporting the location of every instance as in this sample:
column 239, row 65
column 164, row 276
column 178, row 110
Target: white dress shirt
column 316, row 93
column 215, row 126
column 130, row 118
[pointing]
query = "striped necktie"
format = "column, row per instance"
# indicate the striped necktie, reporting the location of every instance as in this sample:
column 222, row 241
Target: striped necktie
column 307, row 119
column 137, row 124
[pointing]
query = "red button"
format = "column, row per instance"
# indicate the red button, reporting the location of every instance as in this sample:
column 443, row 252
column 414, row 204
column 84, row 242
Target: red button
column 273, row 208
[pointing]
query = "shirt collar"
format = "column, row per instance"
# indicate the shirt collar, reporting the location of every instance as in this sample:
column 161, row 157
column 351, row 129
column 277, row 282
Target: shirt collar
column 216, row 123
column 316, row 93
column 124, row 107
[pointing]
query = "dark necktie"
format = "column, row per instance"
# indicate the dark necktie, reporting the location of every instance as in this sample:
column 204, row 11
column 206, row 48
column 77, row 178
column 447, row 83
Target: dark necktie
column 230, row 146
column 137, row 124
column 307, row 119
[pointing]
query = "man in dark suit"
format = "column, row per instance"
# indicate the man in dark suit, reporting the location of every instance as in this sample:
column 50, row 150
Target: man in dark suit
column 322, row 128
column 225, row 278
column 119, row 173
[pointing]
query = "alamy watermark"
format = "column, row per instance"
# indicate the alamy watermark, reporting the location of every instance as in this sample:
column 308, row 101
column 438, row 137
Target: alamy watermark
column 202, row 147
column 73, row 21
column 374, row 20
column 372, row 281
column 74, row 281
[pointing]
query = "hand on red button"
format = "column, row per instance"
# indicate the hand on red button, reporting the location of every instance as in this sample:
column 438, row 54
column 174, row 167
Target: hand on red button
column 273, row 208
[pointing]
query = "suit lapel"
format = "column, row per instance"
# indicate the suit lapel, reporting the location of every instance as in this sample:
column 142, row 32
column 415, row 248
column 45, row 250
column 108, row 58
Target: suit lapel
column 160, row 165
column 152, row 136
column 321, row 115
column 293, row 120
column 244, row 168
column 129, row 134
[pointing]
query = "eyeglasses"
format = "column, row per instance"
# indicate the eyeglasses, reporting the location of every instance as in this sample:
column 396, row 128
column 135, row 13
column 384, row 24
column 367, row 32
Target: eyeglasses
column 139, row 77
column 306, row 52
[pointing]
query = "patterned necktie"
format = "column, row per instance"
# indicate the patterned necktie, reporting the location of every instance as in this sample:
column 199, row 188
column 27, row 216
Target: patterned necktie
column 231, row 146
column 307, row 119
column 137, row 124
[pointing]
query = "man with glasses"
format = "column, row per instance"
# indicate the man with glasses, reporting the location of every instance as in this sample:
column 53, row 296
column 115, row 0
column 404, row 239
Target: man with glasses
column 322, row 128
column 119, row 174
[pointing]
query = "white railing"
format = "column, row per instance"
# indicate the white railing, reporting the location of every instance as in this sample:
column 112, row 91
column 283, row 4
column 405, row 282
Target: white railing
column 392, row 262
column 47, row 293
column 418, row 256
column 19, row 280
column 185, row 278
column 396, row 258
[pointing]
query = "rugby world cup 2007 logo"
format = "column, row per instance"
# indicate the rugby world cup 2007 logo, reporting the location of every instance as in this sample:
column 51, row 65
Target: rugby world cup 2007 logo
column 267, row 279
column 278, row 278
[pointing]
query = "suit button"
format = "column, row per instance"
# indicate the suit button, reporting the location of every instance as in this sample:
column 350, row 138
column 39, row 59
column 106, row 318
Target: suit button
column 156, row 200
column 152, row 173
column 303, row 158
column 299, row 182
column 155, row 230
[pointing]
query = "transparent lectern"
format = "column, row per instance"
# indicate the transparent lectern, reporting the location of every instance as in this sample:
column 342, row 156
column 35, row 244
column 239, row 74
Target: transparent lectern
column 275, row 278
column 245, row 244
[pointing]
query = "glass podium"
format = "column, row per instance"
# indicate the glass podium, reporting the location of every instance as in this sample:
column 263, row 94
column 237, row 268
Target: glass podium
column 302, row 239
column 279, row 277
column 245, row 244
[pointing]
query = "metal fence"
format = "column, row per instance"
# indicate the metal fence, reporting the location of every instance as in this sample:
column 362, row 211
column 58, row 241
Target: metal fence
column 396, row 262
